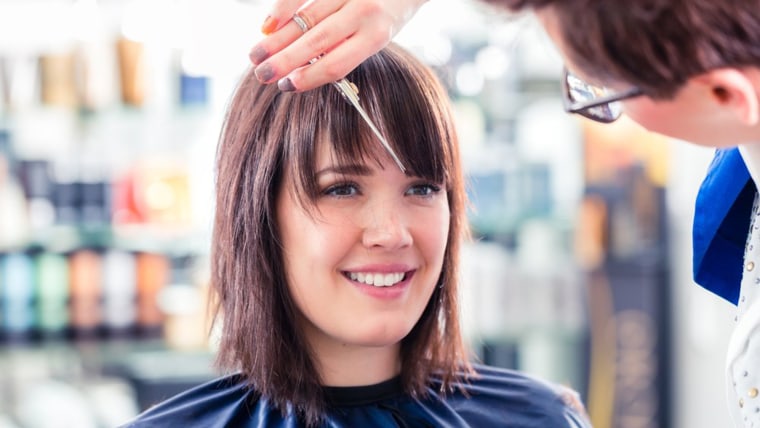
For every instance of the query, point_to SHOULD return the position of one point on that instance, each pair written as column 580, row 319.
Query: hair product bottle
column 52, row 280
column 85, row 276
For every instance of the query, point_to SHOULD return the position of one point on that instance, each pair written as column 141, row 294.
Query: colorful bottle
column 85, row 285
column 17, row 279
column 52, row 281
column 119, row 293
column 153, row 273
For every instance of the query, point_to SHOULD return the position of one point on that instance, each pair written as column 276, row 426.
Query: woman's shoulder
column 514, row 398
column 225, row 401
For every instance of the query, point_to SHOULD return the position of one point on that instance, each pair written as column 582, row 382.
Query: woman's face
column 361, row 268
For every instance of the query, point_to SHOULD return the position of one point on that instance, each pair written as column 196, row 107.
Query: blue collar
column 721, row 224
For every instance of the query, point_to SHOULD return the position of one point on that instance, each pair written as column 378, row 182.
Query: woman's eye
column 341, row 190
column 423, row 189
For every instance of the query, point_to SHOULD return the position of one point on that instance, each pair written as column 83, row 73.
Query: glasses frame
column 582, row 107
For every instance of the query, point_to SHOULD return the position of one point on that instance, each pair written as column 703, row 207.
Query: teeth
column 377, row 279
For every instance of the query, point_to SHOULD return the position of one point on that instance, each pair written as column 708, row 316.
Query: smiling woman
column 337, row 273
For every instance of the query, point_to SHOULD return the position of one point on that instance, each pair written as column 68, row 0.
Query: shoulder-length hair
column 267, row 133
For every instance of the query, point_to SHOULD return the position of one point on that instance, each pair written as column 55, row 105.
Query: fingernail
column 264, row 73
column 269, row 25
column 258, row 55
column 286, row 85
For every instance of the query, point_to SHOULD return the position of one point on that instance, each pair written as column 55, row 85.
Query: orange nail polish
column 270, row 24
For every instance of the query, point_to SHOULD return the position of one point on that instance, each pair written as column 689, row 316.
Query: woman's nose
column 385, row 227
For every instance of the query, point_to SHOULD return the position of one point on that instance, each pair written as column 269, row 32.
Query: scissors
column 351, row 94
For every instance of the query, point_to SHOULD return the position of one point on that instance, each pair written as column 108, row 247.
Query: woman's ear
column 734, row 89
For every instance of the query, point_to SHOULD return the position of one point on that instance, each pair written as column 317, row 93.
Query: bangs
column 406, row 104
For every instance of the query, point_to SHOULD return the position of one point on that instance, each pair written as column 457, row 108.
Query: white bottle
column 14, row 219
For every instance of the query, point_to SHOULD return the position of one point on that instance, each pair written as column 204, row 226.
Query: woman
column 337, row 272
column 685, row 69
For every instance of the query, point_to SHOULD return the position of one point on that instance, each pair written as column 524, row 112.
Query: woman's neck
column 351, row 365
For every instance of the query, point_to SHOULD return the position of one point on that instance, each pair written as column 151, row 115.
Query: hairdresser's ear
column 734, row 89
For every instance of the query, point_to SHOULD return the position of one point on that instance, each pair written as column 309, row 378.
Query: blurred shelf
column 136, row 238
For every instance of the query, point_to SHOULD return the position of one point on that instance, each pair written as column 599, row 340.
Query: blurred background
column 109, row 116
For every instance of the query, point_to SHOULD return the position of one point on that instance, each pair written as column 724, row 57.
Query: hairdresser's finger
column 368, row 24
column 374, row 28
column 332, row 66
column 303, row 50
column 274, row 43
column 290, row 33
column 280, row 14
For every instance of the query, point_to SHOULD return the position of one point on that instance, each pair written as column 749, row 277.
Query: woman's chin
column 380, row 337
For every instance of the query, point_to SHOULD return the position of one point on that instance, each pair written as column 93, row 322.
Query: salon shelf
column 137, row 238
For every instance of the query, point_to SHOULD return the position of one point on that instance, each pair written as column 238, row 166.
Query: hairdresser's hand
column 345, row 31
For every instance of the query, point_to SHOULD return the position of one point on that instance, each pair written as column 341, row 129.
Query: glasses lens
column 581, row 92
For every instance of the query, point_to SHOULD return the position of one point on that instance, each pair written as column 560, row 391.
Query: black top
column 494, row 398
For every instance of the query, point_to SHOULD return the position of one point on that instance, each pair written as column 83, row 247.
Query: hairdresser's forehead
column 589, row 72
column 548, row 18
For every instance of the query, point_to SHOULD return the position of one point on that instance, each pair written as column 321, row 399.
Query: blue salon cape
column 497, row 398
column 721, row 224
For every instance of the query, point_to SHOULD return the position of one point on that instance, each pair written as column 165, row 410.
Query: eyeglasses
column 594, row 102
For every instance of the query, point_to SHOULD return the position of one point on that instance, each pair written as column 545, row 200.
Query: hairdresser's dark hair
column 267, row 133
column 656, row 45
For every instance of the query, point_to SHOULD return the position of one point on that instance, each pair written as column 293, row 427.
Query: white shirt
column 743, row 356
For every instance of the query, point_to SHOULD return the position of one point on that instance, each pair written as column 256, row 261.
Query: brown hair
column 267, row 131
column 656, row 45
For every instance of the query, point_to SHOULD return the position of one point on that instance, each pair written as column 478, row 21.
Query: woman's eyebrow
column 346, row 169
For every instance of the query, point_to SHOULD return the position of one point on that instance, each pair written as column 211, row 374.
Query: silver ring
column 302, row 24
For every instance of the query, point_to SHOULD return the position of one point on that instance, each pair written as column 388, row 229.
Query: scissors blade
column 348, row 92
